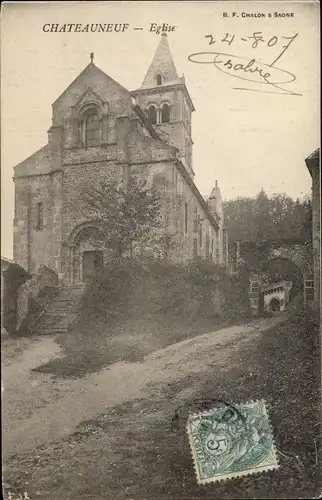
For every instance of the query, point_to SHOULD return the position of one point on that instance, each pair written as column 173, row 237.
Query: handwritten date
column 250, row 69
column 257, row 38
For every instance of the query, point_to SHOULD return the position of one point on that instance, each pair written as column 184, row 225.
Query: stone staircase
column 60, row 311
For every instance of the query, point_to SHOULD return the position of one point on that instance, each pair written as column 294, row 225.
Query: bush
column 135, row 308
column 197, row 289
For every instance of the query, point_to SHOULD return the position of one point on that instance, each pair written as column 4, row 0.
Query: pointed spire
column 214, row 200
column 214, row 192
column 162, row 64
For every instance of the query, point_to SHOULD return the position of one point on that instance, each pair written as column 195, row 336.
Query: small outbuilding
column 12, row 277
column 277, row 295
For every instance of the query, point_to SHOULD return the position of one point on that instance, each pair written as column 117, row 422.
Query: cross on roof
column 92, row 57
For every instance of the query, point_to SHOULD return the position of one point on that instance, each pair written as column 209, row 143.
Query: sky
column 246, row 139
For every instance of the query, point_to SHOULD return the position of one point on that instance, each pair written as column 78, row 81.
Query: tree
column 302, row 219
column 262, row 221
column 265, row 220
column 239, row 216
column 125, row 216
column 281, row 213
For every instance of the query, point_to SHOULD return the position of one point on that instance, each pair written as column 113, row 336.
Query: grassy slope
column 134, row 309
column 140, row 451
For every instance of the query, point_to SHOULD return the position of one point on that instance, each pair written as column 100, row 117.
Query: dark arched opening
column 275, row 305
column 165, row 113
column 92, row 130
column 87, row 258
column 152, row 115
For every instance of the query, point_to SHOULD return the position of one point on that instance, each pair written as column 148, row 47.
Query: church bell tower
column 164, row 98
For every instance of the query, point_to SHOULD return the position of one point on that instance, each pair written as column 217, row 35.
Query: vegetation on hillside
column 133, row 308
column 262, row 219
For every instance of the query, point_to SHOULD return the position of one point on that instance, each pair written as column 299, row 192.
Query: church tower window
column 92, row 130
column 152, row 114
column 159, row 79
column 165, row 113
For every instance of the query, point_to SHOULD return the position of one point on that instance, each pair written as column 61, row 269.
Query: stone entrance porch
column 87, row 252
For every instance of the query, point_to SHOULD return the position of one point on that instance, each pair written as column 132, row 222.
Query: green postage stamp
column 231, row 441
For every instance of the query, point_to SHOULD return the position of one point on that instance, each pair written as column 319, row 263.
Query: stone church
column 101, row 131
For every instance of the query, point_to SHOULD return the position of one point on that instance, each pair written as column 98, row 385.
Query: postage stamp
column 231, row 441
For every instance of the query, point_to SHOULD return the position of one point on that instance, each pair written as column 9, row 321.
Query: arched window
column 152, row 115
column 92, row 130
column 159, row 79
column 165, row 113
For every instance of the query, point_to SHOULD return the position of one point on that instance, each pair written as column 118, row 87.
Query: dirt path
column 37, row 409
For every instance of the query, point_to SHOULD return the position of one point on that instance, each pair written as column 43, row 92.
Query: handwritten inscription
column 257, row 38
column 250, row 69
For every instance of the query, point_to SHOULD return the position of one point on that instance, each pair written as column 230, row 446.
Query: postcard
column 160, row 260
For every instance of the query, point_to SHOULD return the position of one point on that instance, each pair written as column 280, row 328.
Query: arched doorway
column 275, row 305
column 88, row 253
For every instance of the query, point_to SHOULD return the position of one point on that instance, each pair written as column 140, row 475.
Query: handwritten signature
column 249, row 69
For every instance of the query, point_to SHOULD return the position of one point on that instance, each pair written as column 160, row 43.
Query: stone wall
column 316, row 206
column 12, row 277
column 21, row 249
column 313, row 165
column 28, row 292
column 180, row 205
column 34, row 246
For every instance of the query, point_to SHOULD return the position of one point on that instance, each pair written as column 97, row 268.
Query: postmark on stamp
column 230, row 441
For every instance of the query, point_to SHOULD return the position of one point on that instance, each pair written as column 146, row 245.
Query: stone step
column 54, row 326
column 54, row 320
column 66, row 298
column 63, row 299
column 60, row 312
column 55, row 317
column 64, row 302
column 57, row 314
column 72, row 289
column 51, row 331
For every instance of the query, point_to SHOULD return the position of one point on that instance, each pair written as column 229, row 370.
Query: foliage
column 126, row 215
column 263, row 220
column 134, row 308
column 195, row 290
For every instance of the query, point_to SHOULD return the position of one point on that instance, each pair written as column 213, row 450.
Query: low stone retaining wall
column 30, row 291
